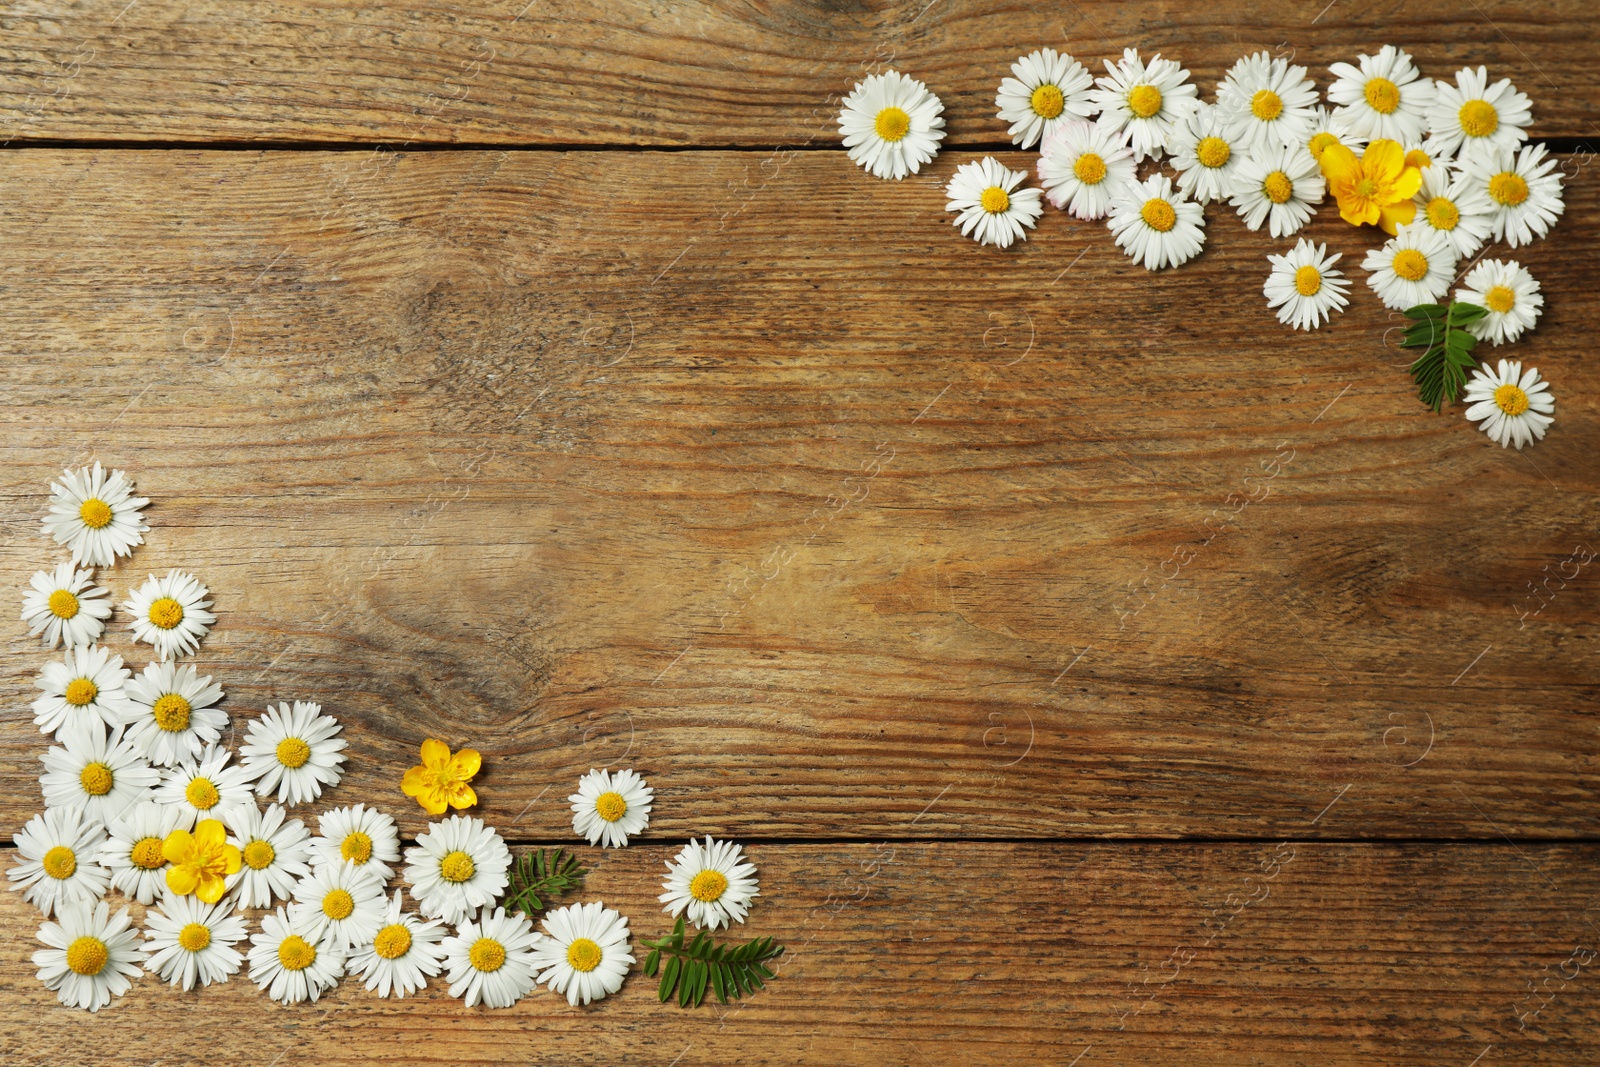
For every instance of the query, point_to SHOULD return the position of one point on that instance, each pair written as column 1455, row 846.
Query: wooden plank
column 582, row 460
column 695, row 72
column 918, row 953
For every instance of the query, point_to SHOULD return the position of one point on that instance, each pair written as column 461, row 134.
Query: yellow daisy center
column 392, row 942
column 583, row 954
column 1419, row 159
column 1090, row 169
column 994, row 200
column 293, row 752
column 487, row 954
column 1212, row 152
column 1508, row 188
column 295, row 954
column 1321, row 143
column 1511, row 399
column 456, row 867
column 708, row 885
column 610, row 806
column 1478, row 118
column 1266, row 105
column 202, row 794
column 258, row 855
column 1410, row 264
column 356, row 847
column 1499, row 298
column 146, row 853
column 171, row 713
column 1383, row 95
column 60, row 862
column 95, row 513
column 1308, row 280
column 1442, row 213
column 87, row 955
column 63, row 604
column 95, row 779
column 892, row 124
column 338, row 904
column 1158, row 214
column 194, row 937
column 1144, row 100
column 166, row 613
column 1047, row 101
column 1278, row 187
column 81, row 691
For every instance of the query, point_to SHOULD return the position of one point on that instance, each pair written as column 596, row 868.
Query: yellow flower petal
column 1339, row 164
column 210, row 890
column 182, row 880
column 1392, row 217
column 433, row 803
column 177, row 847
column 1383, row 161
column 463, row 797
column 1406, row 185
column 435, row 753
column 465, row 764
column 210, row 834
column 416, row 780
column 230, row 859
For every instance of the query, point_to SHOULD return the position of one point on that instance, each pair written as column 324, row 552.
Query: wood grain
column 686, row 73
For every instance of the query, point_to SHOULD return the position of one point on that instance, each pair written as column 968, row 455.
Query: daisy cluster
column 1440, row 166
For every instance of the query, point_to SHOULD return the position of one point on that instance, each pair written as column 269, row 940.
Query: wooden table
column 546, row 379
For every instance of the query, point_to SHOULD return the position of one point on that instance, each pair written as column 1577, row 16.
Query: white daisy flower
column 891, row 124
column 1510, row 294
column 402, row 956
column 293, row 750
column 291, row 962
column 87, row 686
column 1514, row 407
column 1517, row 190
column 1081, row 164
column 90, row 957
column 1439, row 207
column 360, row 835
column 206, row 787
column 457, row 867
column 1046, row 89
column 60, row 860
column 346, row 898
column 64, row 607
column 170, row 717
column 273, row 850
column 608, row 809
column 1326, row 130
column 712, row 882
column 192, row 942
column 1145, row 99
column 1386, row 98
column 1279, row 186
column 585, row 954
column 991, row 209
column 1304, row 287
column 132, row 853
column 1470, row 116
column 1155, row 226
column 1415, row 266
column 95, row 515
column 97, row 771
column 1267, row 103
column 170, row 613
column 490, row 959
column 1204, row 155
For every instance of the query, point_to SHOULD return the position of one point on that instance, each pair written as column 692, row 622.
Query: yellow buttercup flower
column 1375, row 189
column 442, row 779
column 201, row 861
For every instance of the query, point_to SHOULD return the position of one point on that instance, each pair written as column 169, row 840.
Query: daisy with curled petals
column 291, row 961
column 1375, row 189
column 170, row 613
column 990, row 208
column 1155, row 226
column 1081, row 164
column 207, row 788
column 1204, row 155
column 891, row 124
column 87, row 686
column 585, row 954
column 1326, row 130
column 363, row 836
column 442, row 781
column 1304, row 287
column 490, row 959
column 1514, row 407
column 608, row 809
column 89, row 957
column 457, row 867
column 96, row 515
column 1267, row 103
column 712, row 882
column 170, row 717
column 1147, row 100
column 1413, row 267
column 1383, row 97
column 402, row 956
column 192, row 943
column 293, row 750
column 273, row 853
column 60, row 865
column 132, row 853
column 97, row 771
column 1278, row 186
column 64, row 607
column 1518, row 191
column 1470, row 116
column 343, row 897
column 1439, row 208
column 201, row 861
column 1509, row 293
column 1046, row 89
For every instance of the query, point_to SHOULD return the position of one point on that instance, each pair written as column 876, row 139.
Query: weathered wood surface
column 691, row 72
column 752, row 479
